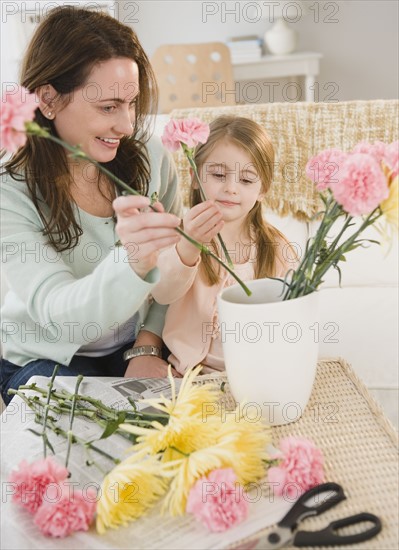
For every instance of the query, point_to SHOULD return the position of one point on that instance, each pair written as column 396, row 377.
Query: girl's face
column 229, row 177
column 100, row 113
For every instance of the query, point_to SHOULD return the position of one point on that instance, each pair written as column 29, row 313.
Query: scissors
column 286, row 533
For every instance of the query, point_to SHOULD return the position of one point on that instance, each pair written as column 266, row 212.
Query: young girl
column 75, row 298
column 236, row 169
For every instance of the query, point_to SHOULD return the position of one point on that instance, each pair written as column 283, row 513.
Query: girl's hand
column 143, row 232
column 202, row 222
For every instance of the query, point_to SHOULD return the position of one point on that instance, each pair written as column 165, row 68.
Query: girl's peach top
column 191, row 330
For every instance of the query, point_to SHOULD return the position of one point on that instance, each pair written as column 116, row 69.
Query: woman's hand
column 144, row 233
column 148, row 366
column 202, row 222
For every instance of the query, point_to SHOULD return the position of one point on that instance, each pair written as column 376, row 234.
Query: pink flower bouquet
column 363, row 182
column 58, row 509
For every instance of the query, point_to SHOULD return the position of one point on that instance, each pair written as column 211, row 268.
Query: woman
column 80, row 261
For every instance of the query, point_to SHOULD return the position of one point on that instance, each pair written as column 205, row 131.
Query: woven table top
column 360, row 448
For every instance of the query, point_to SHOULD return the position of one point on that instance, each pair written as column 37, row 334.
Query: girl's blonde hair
column 253, row 139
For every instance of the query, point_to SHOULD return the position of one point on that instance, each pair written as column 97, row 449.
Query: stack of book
column 245, row 49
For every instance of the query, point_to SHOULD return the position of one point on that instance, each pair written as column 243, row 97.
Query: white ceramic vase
column 270, row 349
column 281, row 39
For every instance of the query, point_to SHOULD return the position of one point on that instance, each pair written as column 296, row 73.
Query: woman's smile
column 111, row 143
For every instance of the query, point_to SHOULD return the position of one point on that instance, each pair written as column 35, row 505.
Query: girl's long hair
column 253, row 139
column 66, row 46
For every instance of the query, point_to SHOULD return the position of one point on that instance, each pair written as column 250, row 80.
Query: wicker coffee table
column 359, row 444
column 360, row 447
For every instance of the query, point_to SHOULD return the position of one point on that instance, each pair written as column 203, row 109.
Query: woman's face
column 102, row 112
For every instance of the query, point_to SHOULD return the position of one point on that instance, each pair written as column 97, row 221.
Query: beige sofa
column 358, row 321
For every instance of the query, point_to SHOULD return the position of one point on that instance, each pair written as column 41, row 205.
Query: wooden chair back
column 194, row 75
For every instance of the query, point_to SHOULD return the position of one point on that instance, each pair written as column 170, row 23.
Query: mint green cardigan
column 61, row 303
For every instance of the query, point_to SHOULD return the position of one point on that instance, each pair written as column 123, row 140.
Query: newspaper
column 152, row 531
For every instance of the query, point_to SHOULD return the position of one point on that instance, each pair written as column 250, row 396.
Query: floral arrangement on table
column 186, row 452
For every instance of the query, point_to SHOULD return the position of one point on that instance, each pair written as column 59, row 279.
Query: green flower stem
column 71, row 418
column 302, row 282
column 189, row 155
column 46, row 409
column 59, row 431
column 345, row 226
column 35, row 129
column 337, row 253
column 207, row 251
column 100, row 414
column 85, row 444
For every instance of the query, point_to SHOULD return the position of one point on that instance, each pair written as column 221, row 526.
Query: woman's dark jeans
column 12, row 376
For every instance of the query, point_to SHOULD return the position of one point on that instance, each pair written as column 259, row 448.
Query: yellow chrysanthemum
column 128, row 491
column 188, row 427
column 187, row 470
column 247, row 440
column 390, row 210
column 240, row 444
column 390, row 206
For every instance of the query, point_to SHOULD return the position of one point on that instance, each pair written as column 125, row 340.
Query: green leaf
column 35, row 432
column 339, row 275
column 50, row 446
column 113, row 425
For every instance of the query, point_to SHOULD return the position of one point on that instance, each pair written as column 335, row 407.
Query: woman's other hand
column 143, row 232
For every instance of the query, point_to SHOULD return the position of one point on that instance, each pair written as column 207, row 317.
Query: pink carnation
column 376, row 149
column 31, row 481
column 324, row 169
column 217, row 500
column 391, row 157
column 300, row 469
column 65, row 510
column 361, row 186
column 17, row 108
column 189, row 131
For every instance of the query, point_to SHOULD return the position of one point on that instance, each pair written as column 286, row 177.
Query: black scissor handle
column 330, row 537
column 300, row 510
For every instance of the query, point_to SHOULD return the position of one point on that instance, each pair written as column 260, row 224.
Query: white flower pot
column 270, row 349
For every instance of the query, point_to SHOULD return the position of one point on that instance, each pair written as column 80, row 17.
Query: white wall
column 358, row 39
column 18, row 22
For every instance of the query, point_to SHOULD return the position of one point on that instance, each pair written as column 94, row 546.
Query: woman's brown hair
column 253, row 139
column 66, row 46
